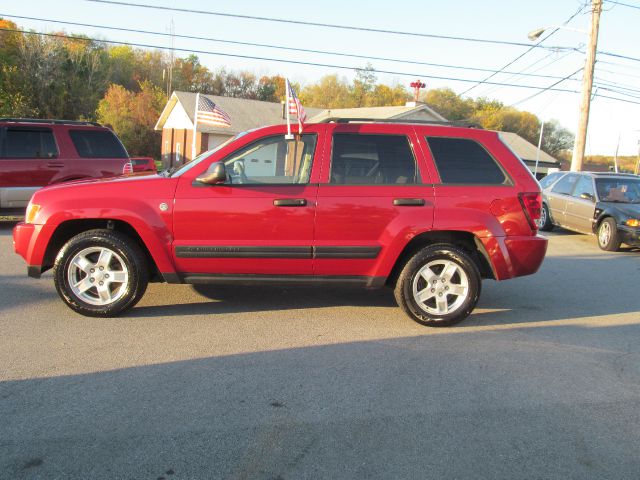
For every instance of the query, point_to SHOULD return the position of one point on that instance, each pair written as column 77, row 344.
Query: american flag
column 295, row 107
column 209, row 113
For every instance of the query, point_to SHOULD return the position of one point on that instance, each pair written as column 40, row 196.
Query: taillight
column 532, row 205
column 128, row 168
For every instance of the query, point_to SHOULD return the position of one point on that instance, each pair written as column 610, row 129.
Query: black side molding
column 250, row 279
column 306, row 252
column 243, row 252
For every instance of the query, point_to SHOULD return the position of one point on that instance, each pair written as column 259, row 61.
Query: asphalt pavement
column 541, row 382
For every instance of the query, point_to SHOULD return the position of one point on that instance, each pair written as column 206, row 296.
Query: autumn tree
column 132, row 115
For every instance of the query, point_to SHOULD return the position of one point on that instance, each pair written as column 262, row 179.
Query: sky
column 489, row 19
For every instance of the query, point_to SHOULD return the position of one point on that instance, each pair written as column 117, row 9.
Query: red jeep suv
column 35, row 153
column 428, row 210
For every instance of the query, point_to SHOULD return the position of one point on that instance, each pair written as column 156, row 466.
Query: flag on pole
column 294, row 107
column 209, row 113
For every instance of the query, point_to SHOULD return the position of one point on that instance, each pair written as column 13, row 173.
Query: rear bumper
column 515, row 256
column 25, row 244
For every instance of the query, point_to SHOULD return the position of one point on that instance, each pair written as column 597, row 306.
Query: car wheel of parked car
column 544, row 223
column 100, row 273
column 608, row 238
column 439, row 286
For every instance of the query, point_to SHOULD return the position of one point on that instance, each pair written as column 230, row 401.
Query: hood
column 626, row 209
column 132, row 178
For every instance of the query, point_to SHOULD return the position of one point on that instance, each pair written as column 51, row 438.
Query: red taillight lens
column 532, row 206
column 128, row 168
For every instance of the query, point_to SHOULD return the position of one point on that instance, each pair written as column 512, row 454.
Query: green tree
column 449, row 104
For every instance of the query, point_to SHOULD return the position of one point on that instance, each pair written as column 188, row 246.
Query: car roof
column 43, row 121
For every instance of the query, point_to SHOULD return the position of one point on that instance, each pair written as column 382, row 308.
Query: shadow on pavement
column 455, row 406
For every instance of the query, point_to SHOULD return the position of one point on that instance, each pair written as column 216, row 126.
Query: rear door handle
column 55, row 165
column 290, row 202
column 409, row 202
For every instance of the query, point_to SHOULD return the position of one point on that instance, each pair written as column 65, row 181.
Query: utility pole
column 587, row 84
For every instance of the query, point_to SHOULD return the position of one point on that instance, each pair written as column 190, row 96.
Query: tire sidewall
column 613, row 244
column 425, row 256
column 106, row 240
column 547, row 225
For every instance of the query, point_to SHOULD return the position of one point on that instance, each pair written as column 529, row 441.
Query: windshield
column 619, row 190
column 179, row 170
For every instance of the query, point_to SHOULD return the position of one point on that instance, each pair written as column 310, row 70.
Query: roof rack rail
column 451, row 123
column 49, row 121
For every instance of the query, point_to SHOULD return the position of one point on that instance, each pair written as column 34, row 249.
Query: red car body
column 173, row 215
column 143, row 164
column 25, row 167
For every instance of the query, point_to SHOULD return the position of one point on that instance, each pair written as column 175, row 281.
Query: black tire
column 545, row 224
column 445, row 253
column 612, row 241
column 125, row 250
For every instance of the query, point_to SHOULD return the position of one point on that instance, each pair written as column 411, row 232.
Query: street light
column 587, row 81
column 535, row 34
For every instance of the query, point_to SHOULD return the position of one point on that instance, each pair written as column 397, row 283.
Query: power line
column 314, row 64
column 550, row 87
column 531, row 47
column 324, row 25
column 624, row 4
column 278, row 47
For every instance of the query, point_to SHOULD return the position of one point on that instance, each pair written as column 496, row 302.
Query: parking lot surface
column 542, row 381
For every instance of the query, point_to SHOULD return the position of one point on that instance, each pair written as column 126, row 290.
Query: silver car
column 607, row 204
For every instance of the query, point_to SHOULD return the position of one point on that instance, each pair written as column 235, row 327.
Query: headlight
column 633, row 222
column 32, row 212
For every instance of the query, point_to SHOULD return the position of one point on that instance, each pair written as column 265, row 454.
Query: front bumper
column 629, row 235
column 25, row 244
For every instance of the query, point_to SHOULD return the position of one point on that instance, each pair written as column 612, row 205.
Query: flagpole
column 287, row 87
column 195, row 128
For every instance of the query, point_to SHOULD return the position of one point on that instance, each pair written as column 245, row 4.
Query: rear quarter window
column 97, row 144
column 465, row 161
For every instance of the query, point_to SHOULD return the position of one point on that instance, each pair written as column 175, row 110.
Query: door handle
column 55, row 165
column 290, row 202
column 409, row 202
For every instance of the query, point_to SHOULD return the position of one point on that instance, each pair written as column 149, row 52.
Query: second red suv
column 35, row 153
column 428, row 210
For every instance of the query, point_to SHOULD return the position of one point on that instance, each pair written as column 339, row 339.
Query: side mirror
column 587, row 196
column 216, row 176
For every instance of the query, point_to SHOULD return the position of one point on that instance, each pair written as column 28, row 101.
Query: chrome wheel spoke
column 457, row 290
column 428, row 275
column 105, row 258
column 83, row 285
column 104, row 293
column 82, row 263
column 118, row 277
column 442, row 304
column 425, row 295
column 449, row 271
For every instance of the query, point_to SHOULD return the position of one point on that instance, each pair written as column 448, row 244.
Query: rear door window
column 97, row 144
column 566, row 184
column 369, row 159
column 29, row 143
column 463, row 161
